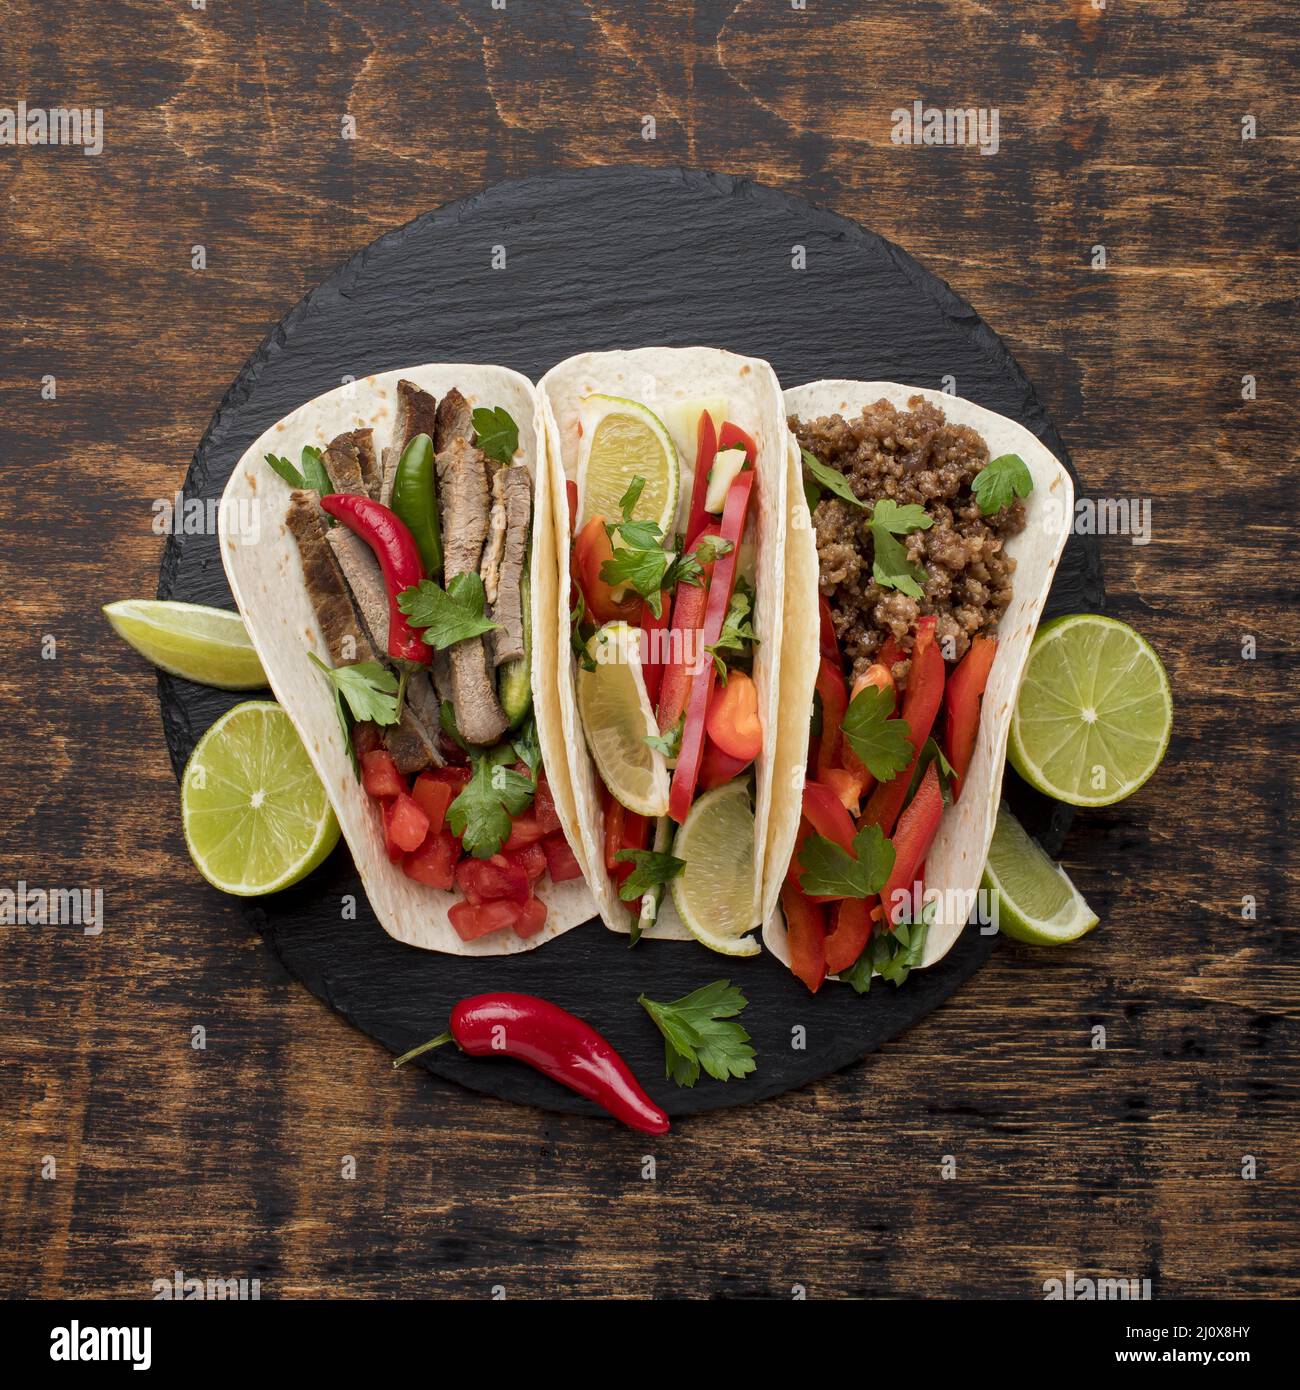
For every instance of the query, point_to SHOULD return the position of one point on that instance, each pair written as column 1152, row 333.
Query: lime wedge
column 627, row 441
column 715, row 894
column 1036, row 902
column 617, row 718
column 1094, row 712
column 207, row 645
column 255, row 814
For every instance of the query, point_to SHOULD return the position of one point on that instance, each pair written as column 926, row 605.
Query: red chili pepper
column 682, row 792
column 706, row 448
column 921, row 703
column 555, row 1043
column 912, row 839
column 962, row 705
column 399, row 559
column 805, row 925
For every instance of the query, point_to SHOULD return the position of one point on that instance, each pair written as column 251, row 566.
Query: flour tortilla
column 955, row 862
column 266, row 579
column 657, row 377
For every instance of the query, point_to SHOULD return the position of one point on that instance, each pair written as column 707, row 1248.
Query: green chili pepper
column 415, row 500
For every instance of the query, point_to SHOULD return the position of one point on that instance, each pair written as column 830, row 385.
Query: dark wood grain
column 1118, row 127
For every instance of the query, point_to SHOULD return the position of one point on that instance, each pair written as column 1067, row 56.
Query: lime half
column 208, row 645
column 1094, row 712
column 617, row 718
column 1036, row 902
column 716, row 894
column 255, row 814
column 627, row 441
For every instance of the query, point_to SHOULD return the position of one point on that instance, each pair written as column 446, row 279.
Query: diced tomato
column 379, row 774
column 718, row 767
column 525, row 829
column 805, row 925
column 366, row 738
column 405, row 826
column 571, row 495
column 544, row 807
column 560, row 859
column 455, row 777
column 484, row 880
column 434, row 862
column 531, row 918
column 732, row 720
column 851, row 923
column 473, row 920
column 636, row 835
column 590, row 551
column 433, row 797
column 733, row 437
column 531, row 859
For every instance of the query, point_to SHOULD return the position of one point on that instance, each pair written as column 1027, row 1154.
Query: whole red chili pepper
column 555, row 1043
column 399, row 558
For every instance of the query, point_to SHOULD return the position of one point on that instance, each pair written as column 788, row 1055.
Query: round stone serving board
column 605, row 258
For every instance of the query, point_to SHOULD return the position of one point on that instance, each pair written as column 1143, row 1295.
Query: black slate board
column 597, row 259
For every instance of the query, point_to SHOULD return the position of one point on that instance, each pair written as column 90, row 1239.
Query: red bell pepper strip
column 851, row 922
column 921, row 703
column 718, row 767
column 654, row 644
column 732, row 719
column 805, row 925
column 555, row 1043
column 399, row 560
column 847, row 786
column 912, row 839
column 829, row 643
column 682, row 792
column 826, row 814
column 962, row 705
column 733, row 437
column 706, row 449
column 835, row 701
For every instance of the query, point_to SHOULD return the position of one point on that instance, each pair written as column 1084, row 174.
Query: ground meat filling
column 913, row 455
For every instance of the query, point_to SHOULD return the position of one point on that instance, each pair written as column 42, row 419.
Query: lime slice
column 1094, row 712
column 617, row 718
column 255, row 814
column 208, row 645
column 1036, row 902
column 627, row 441
column 715, row 894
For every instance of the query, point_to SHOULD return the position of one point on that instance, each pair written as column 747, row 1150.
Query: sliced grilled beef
column 417, row 413
column 345, row 634
column 455, row 420
column 512, row 494
column 365, row 579
column 463, row 497
column 347, row 460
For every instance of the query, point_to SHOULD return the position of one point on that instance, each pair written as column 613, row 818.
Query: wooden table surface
column 126, row 1154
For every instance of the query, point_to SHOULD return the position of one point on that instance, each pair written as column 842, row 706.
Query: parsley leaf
column 891, row 955
column 688, row 567
column 737, row 630
column 312, row 474
column 447, row 616
column 698, row 1033
column 369, row 689
column 669, row 743
column 831, row 479
column 627, row 503
column 642, row 569
column 832, row 872
column 880, row 742
column 497, row 433
column 890, row 566
column 651, row 868
column 1000, row 481
column 931, row 752
column 481, row 814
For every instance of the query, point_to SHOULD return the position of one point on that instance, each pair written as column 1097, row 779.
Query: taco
column 922, row 538
column 669, row 473
column 399, row 594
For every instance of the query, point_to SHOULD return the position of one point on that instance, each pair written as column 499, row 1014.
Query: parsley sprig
column 367, row 689
column 495, row 793
column 891, row 955
column 311, row 475
column 450, row 615
column 737, row 633
column 496, row 432
column 830, row 871
column 651, row 868
column 1001, row 481
column 699, row 1032
column 881, row 743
